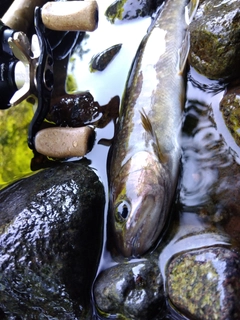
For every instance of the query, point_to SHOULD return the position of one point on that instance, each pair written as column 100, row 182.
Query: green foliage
column 71, row 84
column 15, row 156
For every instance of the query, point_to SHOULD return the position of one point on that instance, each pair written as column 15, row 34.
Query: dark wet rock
column 128, row 9
column 50, row 240
column 101, row 60
column 230, row 108
column 76, row 110
column 215, row 39
column 73, row 110
column 205, row 284
column 133, row 290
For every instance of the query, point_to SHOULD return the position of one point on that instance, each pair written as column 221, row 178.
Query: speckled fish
column 144, row 160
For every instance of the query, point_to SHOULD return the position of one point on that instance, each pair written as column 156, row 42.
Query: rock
column 205, row 284
column 133, row 290
column 50, row 239
column 215, row 39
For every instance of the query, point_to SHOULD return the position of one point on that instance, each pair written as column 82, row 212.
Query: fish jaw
column 139, row 205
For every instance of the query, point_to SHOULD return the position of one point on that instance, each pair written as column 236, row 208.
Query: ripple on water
column 204, row 152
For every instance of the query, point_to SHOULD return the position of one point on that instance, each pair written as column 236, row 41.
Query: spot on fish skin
column 146, row 123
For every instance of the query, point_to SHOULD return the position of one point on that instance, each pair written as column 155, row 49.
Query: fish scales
column 145, row 155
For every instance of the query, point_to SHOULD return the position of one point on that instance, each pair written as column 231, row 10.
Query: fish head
column 139, row 204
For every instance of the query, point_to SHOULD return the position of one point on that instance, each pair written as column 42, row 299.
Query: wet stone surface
column 215, row 39
column 205, row 284
column 50, row 240
column 133, row 290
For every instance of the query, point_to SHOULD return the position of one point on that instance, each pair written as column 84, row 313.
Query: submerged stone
column 205, row 284
column 50, row 240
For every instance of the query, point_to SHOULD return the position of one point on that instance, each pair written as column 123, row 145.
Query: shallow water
column 207, row 145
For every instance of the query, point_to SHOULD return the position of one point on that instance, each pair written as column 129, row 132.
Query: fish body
column 145, row 156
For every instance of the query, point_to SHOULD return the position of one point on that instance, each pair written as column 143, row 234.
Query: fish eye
column 122, row 210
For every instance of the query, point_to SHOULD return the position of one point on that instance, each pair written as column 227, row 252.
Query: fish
column 144, row 160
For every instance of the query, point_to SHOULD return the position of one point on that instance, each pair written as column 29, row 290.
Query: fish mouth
column 147, row 228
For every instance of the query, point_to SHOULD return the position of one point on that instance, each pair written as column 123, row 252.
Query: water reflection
column 204, row 152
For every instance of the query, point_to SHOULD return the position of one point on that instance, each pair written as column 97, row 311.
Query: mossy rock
column 215, row 39
column 204, row 284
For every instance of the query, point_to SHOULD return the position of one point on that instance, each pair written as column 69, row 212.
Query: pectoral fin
column 146, row 123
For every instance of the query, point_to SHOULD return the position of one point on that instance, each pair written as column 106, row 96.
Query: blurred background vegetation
column 15, row 156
